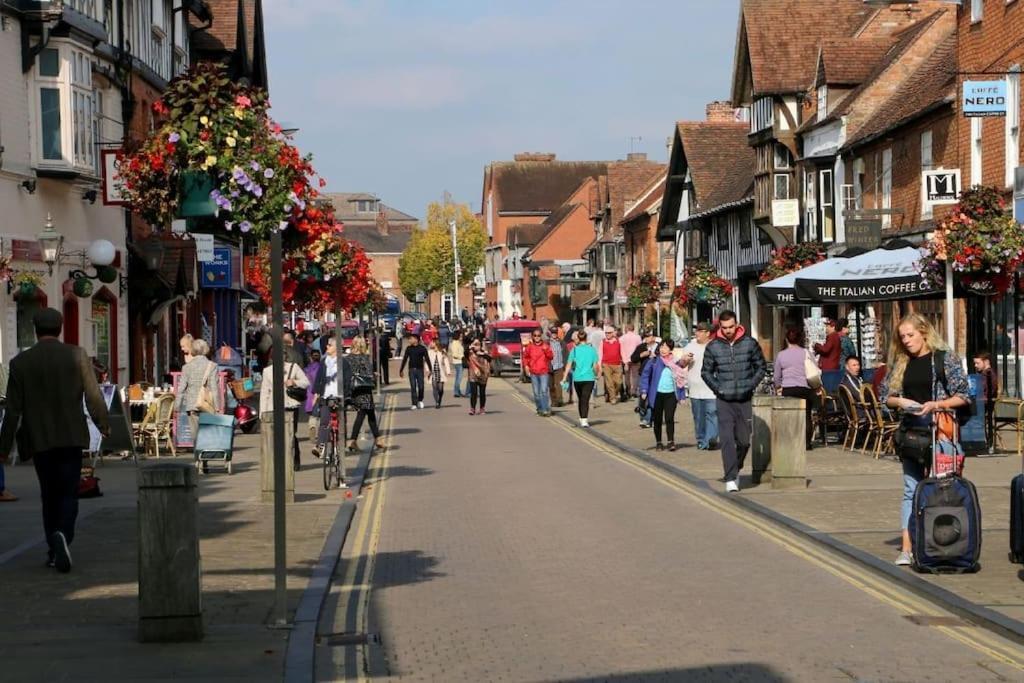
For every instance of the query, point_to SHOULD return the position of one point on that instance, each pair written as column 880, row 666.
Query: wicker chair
column 1009, row 416
column 159, row 428
column 881, row 427
column 856, row 420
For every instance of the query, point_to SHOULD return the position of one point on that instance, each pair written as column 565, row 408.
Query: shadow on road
column 406, row 471
column 404, row 568
column 744, row 671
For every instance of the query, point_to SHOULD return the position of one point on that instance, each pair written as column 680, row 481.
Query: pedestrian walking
column 557, row 366
column 479, row 373
column 829, row 352
column 45, row 392
column 457, row 353
column 293, row 377
column 595, row 334
column 358, row 390
column 439, row 369
column 628, row 342
column 642, row 355
column 312, row 370
column 384, row 355
column 199, row 372
column 325, row 386
column 662, row 386
column 611, row 365
column 584, row 365
column 415, row 357
column 569, row 340
column 537, row 357
column 924, row 376
column 790, row 376
column 702, row 399
column 734, row 366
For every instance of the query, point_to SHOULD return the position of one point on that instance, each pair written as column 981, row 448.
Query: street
column 512, row 547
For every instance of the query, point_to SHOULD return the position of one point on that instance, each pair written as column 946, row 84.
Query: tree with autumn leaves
column 427, row 264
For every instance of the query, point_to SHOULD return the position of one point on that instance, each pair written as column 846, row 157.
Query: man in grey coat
column 44, row 410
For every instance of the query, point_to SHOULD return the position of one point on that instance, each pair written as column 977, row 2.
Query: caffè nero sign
column 984, row 98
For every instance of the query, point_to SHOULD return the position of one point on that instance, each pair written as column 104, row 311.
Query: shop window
column 26, row 307
column 102, row 333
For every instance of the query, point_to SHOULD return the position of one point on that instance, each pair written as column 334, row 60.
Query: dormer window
column 822, row 102
column 366, row 206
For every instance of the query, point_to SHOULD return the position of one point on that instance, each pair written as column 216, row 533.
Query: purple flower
column 254, row 165
column 245, row 226
column 237, row 174
column 257, row 190
column 235, row 193
column 268, row 173
column 173, row 137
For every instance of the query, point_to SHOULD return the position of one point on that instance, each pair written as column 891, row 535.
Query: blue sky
column 408, row 99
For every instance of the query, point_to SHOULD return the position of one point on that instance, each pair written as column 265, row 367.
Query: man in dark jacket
column 733, row 368
column 415, row 357
column 44, row 408
column 643, row 354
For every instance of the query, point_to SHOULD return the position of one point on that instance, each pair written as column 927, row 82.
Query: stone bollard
column 267, row 458
column 789, row 459
column 761, row 439
column 170, row 585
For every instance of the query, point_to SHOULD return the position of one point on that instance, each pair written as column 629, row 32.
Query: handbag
column 914, row 443
column 204, row 401
column 296, row 393
column 812, row 371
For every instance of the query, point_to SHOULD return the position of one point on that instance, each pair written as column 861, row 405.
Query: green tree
column 427, row 264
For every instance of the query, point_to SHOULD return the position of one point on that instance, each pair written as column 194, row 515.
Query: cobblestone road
column 510, row 550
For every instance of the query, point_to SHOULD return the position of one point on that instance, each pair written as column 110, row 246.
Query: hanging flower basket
column 216, row 152
column 82, row 287
column 644, row 289
column 701, row 284
column 980, row 240
column 26, row 283
column 791, row 258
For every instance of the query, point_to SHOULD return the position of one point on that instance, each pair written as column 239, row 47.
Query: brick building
column 644, row 253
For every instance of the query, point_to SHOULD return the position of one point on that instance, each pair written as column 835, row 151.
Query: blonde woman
column 439, row 368
column 359, row 384
column 924, row 376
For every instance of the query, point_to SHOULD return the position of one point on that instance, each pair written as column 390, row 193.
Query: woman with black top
column 924, row 376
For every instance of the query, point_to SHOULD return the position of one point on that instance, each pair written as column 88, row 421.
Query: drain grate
column 929, row 620
column 348, row 639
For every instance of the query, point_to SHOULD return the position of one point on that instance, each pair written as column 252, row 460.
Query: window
column 886, row 187
column 977, row 10
column 822, row 102
column 721, row 234
column 26, row 308
column 826, row 191
column 858, row 183
column 810, row 206
column 1012, row 122
column 781, row 186
column 764, row 115
column 64, row 109
column 609, row 253
column 366, row 206
column 783, row 159
column 926, row 165
column 746, row 230
column 976, row 131
column 101, row 321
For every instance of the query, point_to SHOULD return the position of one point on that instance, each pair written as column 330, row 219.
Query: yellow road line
column 861, row 578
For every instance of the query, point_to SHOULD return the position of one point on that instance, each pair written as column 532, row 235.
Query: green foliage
column 427, row 264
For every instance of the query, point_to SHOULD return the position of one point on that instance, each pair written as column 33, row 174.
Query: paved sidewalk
column 851, row 497
column 82, row 626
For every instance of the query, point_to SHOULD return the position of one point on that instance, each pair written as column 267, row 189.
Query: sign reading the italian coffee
column 984, row 98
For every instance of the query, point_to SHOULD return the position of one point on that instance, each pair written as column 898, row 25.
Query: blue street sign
column 216, row 274
column 984, row 98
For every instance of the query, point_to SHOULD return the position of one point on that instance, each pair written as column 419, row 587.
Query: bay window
column 66, row 117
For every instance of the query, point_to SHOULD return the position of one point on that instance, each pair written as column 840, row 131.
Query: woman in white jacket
column 439, row 368
column 293, row 377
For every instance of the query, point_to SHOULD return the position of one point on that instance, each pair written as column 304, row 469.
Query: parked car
column 505, row 339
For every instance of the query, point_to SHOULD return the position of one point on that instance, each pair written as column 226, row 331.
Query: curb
column 300, row 656
column 985, row 617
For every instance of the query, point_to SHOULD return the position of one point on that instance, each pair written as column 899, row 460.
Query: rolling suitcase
column 945, row 520
column 1017, row 518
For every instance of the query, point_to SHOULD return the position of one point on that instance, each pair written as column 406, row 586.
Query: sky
column 409, row 98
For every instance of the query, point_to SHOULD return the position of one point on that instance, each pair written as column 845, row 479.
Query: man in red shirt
column 829, row 352
column 611, row 365
column 537, row 357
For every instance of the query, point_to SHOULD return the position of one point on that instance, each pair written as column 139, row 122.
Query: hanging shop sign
column 216, row 273
column 204, row 247
column 863, row 232
column 785, row 213
column 984, row 98
column 941, row 187
column 111, row 180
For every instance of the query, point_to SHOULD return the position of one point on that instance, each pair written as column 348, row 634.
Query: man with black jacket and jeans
column 416, row 357
column 733, row 368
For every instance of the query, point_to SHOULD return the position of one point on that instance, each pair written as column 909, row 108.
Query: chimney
column 721, row 111
column 636, row 156
column 534, row 156
column 382, row 221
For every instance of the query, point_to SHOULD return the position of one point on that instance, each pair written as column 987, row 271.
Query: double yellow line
column 365, row 542
column 883, row 589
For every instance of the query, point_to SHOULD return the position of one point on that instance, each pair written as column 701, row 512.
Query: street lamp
column 50, row 242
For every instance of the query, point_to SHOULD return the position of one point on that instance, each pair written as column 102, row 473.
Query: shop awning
column 782, row 290
column 878, row 275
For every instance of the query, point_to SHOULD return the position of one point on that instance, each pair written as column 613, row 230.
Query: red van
column 349, row 331
column 505, row 340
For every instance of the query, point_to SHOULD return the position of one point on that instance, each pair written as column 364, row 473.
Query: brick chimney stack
column 534, row 156
column 382, row 221
column 721, row 111
column 636, row 156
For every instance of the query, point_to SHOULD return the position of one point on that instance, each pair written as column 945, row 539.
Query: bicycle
column 333, row 469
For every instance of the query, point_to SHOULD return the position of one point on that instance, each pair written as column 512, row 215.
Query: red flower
column 160, row 109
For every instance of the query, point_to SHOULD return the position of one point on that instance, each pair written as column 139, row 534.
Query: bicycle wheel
column 331, row 477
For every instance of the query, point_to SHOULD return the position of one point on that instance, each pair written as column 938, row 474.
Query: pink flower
column 243, row 101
